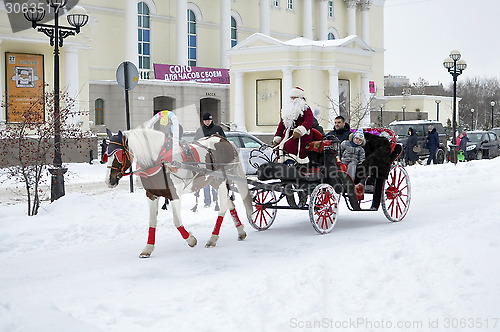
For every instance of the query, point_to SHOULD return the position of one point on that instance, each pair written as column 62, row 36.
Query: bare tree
column 29, row 144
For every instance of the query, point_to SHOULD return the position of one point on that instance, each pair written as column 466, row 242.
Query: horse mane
column 145, row 145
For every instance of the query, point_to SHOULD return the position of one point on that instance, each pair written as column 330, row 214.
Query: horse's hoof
column 144, row 255
column 243, row 236
column 191, row 241
column 210, row 244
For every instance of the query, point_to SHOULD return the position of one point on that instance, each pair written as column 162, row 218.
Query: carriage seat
column 279, row 171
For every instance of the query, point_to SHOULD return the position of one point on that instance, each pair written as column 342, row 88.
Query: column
column 181, row 33
column 131, row 32
column 365, row 99
column 225, row 31
column 71, row 81
column 286, row 85
column 365, row 20
column 351, row 16
column 308, row 26
column 2, row 108
column 239, row 101
column 264, row 17
column 333, row 94
column 323, row 20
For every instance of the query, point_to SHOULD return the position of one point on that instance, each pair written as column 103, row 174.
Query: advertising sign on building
column 25, row 86
column 177, row 73
column 372, row 86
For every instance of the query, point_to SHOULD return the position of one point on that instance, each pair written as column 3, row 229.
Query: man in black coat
column 341, row 130
column 432, row 144
column 208, row 129
column 410, row 156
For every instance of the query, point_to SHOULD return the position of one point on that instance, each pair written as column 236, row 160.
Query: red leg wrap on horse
column 237, row 221
column 217, row 225
column 151, row 237
column 183, row 232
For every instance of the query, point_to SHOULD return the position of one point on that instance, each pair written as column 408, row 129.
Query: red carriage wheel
column 397, row 194
column 263, row 218
column 323, row 207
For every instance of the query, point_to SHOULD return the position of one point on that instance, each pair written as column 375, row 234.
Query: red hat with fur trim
column 297, row 92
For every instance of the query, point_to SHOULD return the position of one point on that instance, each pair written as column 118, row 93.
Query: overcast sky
column 419, row 35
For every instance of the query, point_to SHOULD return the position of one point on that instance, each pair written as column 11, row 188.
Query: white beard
column 292, row 111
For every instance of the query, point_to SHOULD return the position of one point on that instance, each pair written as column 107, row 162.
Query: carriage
column 319, row 186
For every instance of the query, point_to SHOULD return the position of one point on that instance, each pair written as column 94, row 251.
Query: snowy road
column 75, row 266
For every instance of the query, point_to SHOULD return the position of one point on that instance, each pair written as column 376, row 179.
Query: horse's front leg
column 153, row 217
column 176, row 211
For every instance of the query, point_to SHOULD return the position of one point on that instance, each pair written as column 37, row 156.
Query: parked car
column 496, row 131
column 421, row 129
column 482, row 144
column 246, row 143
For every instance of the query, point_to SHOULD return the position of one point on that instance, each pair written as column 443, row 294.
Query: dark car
column 421, row 129
column 482, row 144
column 246, row 143
column 496, row 131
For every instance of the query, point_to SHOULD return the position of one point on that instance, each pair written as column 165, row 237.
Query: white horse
column 210, row 161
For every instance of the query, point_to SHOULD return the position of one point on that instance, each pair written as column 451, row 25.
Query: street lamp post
column 381, row 120
column 455, row 67
column 437, row 109
column 472, row 116
column 492, row 108
column 404, row 116
column 57, row 33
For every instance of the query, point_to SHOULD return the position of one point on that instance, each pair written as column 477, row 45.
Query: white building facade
column 333, row 49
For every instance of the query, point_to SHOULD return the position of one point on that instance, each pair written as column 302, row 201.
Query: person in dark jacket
column 316, row 124
column 104, row 146
column 462, row 146
column 410, row 155
column 432, row 144
column 208, row 129
column 341, row 130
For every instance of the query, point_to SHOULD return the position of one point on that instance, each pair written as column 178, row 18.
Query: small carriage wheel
column 397, row 194
column 262, row 218
column 323, row 207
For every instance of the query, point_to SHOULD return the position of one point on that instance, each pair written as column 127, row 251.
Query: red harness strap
column 165, row 156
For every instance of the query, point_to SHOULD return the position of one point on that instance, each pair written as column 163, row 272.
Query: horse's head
column 118, row 158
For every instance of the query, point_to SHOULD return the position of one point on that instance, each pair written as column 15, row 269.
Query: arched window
column 331, row 36
column 234, row 32
column 144, row 39
column 99, row 112
column 191, row 38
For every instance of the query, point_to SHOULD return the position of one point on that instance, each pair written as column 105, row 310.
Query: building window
column 290, row 4
column 144, row 39
column 234, row 32
column 276, row 3
column 330, row 9
column 99, row 112
column 331, row 36
column 191, row 38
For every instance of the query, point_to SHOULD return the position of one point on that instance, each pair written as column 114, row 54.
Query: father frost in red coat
column 296, row 122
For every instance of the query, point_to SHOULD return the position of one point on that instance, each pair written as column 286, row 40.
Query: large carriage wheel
column 262, row 218
column 397, row 194
column 323, row 207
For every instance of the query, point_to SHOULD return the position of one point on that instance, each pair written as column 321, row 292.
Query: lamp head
column 472, row 110
column 77, row 17
column 461, row 64
column 492, row 103
column 455, row 55
column 438, row 101
column 57, row 4
column 448, row 63
column 34, row 14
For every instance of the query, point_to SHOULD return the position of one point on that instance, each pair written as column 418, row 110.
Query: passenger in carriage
column 352, row 151
column 294, row 129
column 341, row 130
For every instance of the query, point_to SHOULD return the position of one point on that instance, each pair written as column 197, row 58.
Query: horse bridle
column 122, row 154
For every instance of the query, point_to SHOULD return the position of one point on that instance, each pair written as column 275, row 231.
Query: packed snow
column 75, row 266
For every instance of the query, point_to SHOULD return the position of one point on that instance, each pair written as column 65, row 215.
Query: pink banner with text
column 177, row 73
